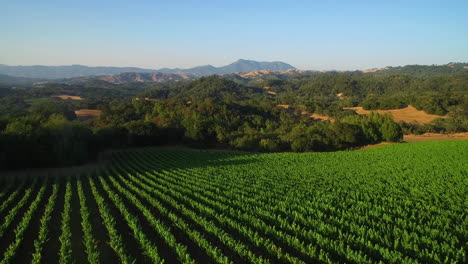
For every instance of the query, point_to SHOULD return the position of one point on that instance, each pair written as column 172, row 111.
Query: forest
column 221, row 112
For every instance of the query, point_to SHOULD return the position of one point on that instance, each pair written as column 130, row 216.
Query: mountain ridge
column 76, row 70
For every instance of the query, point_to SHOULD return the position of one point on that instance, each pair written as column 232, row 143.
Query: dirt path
column 435, row 137
column 377, row 145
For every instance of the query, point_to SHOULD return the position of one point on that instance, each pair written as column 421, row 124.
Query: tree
column 19, row 128
column 68, row 140
column 269, row 144
column 391, row 131
column 346, row 135
column 57, row 107
column 142, row 133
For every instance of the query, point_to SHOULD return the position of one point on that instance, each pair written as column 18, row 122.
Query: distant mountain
column 158, row 77
column 61, row 72
column 71, row 71
column 11, row 80
column 250, row 65
column 198, row 71
column 238, row 66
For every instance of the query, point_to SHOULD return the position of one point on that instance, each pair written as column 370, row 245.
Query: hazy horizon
column 126, row 66
column 181, row 34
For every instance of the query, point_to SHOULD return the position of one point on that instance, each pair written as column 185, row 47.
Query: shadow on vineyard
column 399, row 203
column 192, row 158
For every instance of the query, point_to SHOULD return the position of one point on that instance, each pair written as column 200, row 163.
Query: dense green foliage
column 38, row 140
column 403, row 203
column 221, row 112
column 423, row 70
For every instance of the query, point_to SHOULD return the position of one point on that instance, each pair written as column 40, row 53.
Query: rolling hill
column 422, row 71
column 71, row 71
column 12, row 80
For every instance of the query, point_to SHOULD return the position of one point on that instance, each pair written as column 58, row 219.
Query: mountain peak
column 76, row 70
column 243, row 65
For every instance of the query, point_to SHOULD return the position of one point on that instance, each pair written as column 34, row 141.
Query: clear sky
column 319, row 35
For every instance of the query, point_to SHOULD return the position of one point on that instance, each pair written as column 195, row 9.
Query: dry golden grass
column 321, row 117
column 285, row 106
column 64, row 97
column 84, row 114
column 435, row 137
column 313, row 115
column 253, row 74
column 375, row 70
column 341, row 96
column 407, row 114
column 146, row 99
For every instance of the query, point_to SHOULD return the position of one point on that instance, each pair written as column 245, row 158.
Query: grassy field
column 403, row 203
column 66, row 97
column 41, row 100
column 407, row 114
column 85, row 114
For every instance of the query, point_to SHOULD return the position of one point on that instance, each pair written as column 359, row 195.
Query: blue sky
column 317, row 35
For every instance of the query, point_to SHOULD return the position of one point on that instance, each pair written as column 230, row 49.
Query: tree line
column 214, row 112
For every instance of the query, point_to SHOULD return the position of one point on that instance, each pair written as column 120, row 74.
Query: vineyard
column 403, row 203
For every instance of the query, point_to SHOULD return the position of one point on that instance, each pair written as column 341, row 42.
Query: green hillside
column 423, row 71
